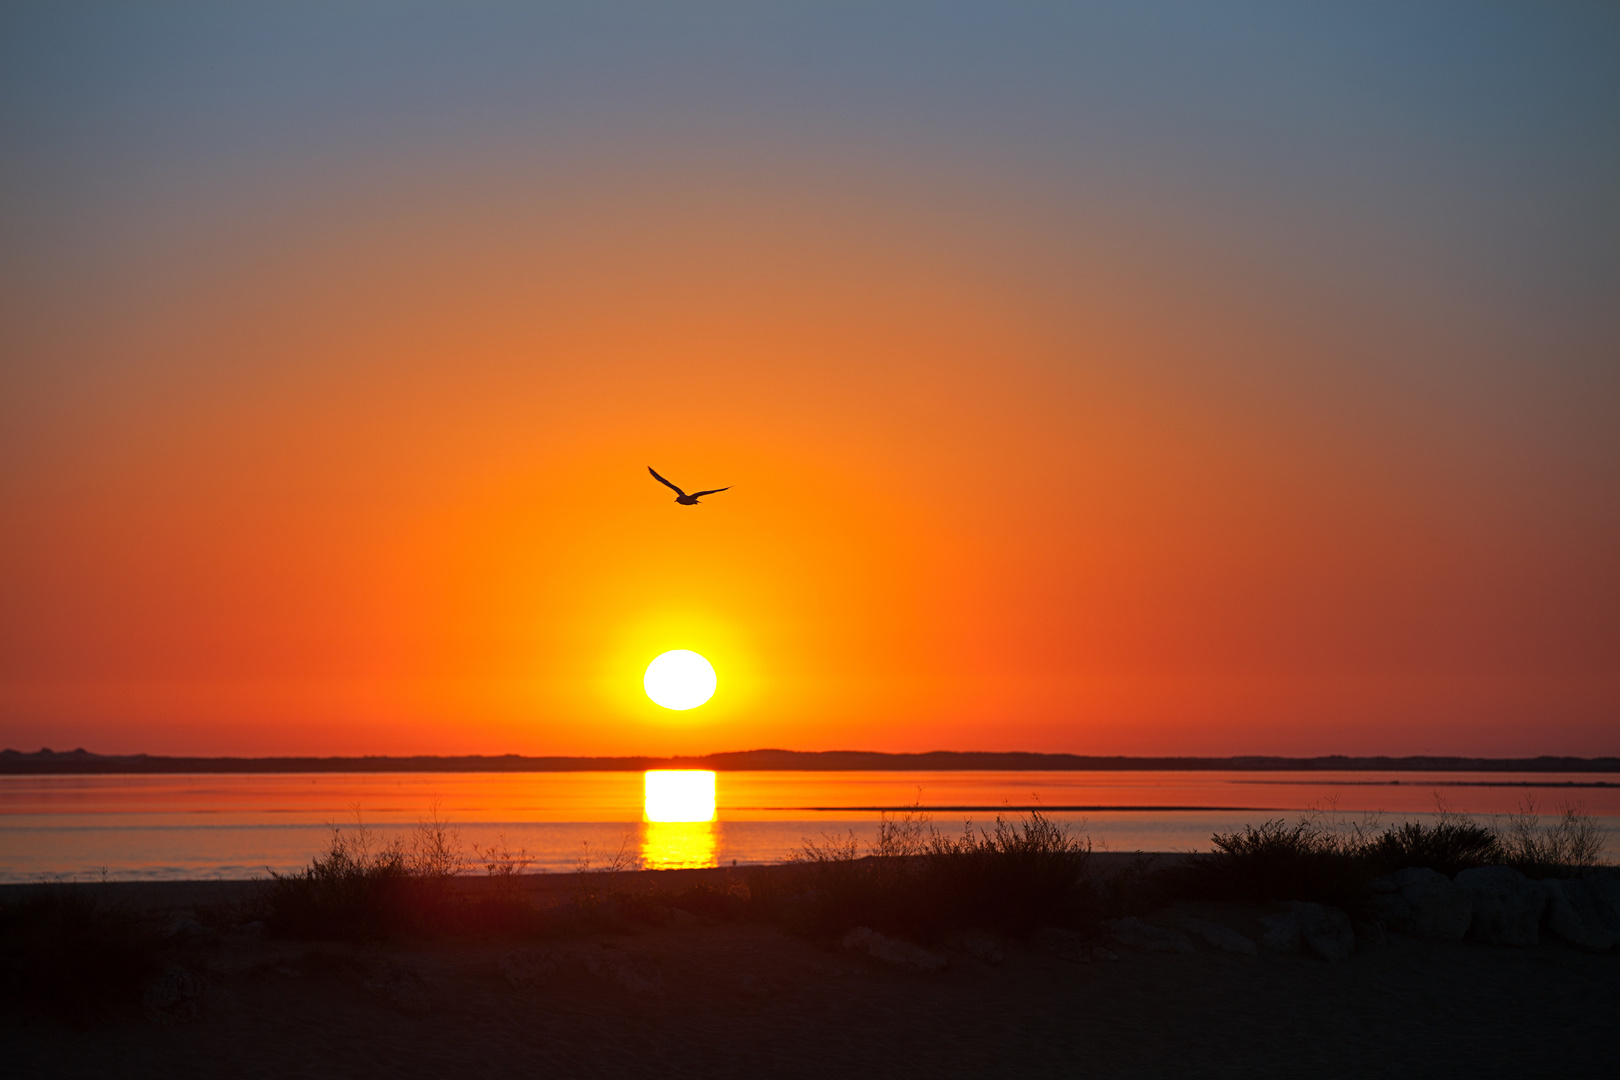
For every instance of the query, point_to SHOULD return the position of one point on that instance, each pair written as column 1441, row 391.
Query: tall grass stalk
column 364, row 887
column 1016, row 876
column 1570, row 844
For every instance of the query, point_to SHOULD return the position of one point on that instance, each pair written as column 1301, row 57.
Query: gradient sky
column 1117, row 378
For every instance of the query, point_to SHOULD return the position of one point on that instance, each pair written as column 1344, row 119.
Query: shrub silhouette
column 1450, row 845
column 1016, row 877
column 1568, row 847
column 362, row 888
column 1309, row 860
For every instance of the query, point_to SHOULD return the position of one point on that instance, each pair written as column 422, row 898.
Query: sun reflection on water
column 680, row 831
column 679, row 795
column 679, row 845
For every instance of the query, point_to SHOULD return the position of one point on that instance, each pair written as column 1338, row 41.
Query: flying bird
column 680, row 496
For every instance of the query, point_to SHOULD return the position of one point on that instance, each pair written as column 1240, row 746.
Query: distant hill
column 82, row 761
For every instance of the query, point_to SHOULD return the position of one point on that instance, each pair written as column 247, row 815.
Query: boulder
column 1585, row 912
column 893, row 951
column 982, row 947
column 1282, row 932
column 1423, row 903
column 183, row 929
column 1219, row 936
column 401, row 985
column 1063, row 944
column 182, row 925
column 1605, row 889
column 1370, row 934
column 1325, row 931
column 171, row 998
column 524, row 968
column 1507, row 906
column 624, row 970
column 1136, row 934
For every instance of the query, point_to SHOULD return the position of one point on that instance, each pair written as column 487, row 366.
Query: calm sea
column 242, row 825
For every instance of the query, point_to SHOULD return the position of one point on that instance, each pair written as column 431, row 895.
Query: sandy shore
column 690, row 998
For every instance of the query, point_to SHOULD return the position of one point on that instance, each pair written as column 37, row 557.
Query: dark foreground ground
column 726, row 999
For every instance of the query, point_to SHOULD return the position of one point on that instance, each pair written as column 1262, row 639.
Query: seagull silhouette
column 682, row 497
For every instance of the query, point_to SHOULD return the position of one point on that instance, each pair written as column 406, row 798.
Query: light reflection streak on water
column 679, row 845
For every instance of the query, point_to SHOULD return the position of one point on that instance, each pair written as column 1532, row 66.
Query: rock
column 1100, row 953
column 893, row 951
column 1369, row 934
column 1282, row 934
column 682, row 917
column 184, row 929
column 1585, row 912
column 1063, row 944
column 253, row 931
column 1507, row 906
column 1219, row 936
column 1325, row 931
column 400, row 985
column 622, row 970
column 1423, row 903
column 982, row 947
column 1136, row 934
column 181, row 924
column 1605, row 889
column 171, row 998
column 523, row 968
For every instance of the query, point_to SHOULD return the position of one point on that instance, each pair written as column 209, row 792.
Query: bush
column 356, row 890
column 363, row 889
column 1450, row 845
column 67, row 951
column 1312, row 860
column 1571, row 845
column 1016, row 877
column 1274, row 861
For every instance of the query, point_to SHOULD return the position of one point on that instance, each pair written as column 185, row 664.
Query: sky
column 1142, row 378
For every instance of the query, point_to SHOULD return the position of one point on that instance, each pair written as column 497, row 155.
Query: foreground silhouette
column 682, row 497
column 653, row 977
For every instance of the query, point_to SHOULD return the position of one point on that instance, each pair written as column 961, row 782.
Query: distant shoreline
column 43, row 762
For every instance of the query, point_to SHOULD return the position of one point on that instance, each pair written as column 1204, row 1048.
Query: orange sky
column 357, row 465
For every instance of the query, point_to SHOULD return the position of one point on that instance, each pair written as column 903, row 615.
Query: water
column 176, row 827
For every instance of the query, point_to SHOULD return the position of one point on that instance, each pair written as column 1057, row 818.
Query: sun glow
column 679, row 679
column 679, row 795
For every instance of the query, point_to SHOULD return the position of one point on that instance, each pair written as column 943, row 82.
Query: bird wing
column 700, row 494
column 666, row 483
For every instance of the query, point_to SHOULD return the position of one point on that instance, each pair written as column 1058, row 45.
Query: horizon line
column 80, row 760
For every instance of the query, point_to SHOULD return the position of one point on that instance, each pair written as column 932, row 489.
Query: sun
column 680, row 679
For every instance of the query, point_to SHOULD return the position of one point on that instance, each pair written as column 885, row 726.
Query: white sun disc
column 679, row 679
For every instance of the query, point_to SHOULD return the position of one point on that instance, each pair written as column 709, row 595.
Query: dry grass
column 1570, row 845
column 363, row 888
column 1015, row 877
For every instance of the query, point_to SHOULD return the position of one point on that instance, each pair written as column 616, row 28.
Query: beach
column 672, row 994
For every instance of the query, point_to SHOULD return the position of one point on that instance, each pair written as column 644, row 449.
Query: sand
column 723, row 1000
